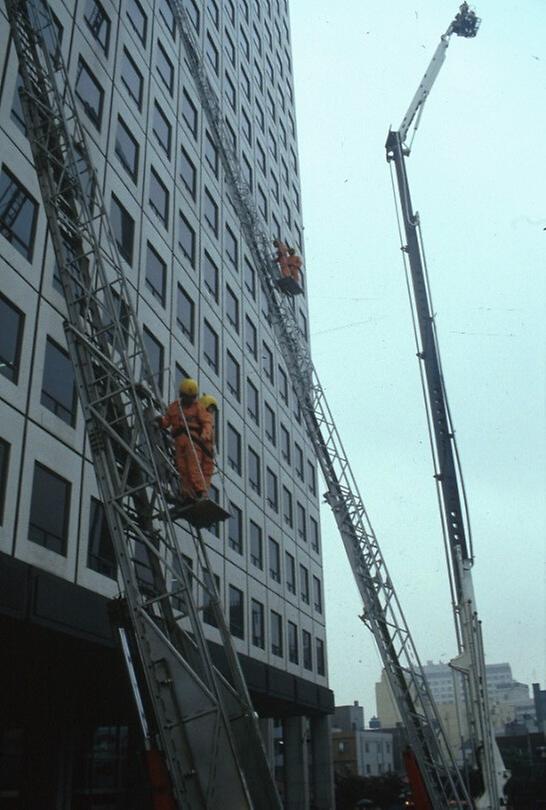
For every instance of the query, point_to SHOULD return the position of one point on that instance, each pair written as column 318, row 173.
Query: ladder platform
column 201, row 514
column 289, row 286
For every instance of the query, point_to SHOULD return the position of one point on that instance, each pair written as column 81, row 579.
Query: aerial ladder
column 201, row 723
column 470, row 661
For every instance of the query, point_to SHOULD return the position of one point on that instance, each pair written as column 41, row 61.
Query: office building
column 68, row 723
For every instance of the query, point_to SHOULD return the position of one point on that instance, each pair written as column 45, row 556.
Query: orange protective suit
column 294, row 265
column 207, row 459
column 282, row 257
column 189, row 448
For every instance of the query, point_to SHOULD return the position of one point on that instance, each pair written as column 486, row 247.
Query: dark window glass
column 211, row 154
column 252, row 405
column 317, row 594
column 267, row 361
column 321, row 668
column 271, row 489
column 210, row 276
column 212, row 54
column 250, row 278
column 251, row 337
column 164, row 68
column 18, row 214
column 208, row 612
column 260, row 119
column 49, row 510
column 276, row 633
column 188, row 173
column 186, row 239
column 156, row 274
column 12, row 323
column 285, row 444
column 314, row 531
column 256, row 551
column 254, row 473
column 262, row 203
column 307, row 651
column 189, row 113
column 177, row 582
column 214, row 492
column 270, row 425
column 236, row 612
column 287, row 506
column 193, row 13
column 246, row 169
column 167, row 15
column 230, row 246
column 298, row 461
column 235, row 528
column 283, row 385
column 211, row 212
column 233, row 376
column 304, row 584
column 154, row 350
column 124, row 229
column 311, row 477
column 58, row 386
column 234, row 449
column 131, row 77
column 210, row 346
column 137, row 18
column 245, row 83
column 185, row 313
column 261, row 157
column 274, row 560
column 98, row 22
column 90, row 93
column 212, row 10
column 274, row 187
column 232, row 308
column 229, row 48
column 100, row 551
column 290, row 572
column 293, row 656
column 17, row 114
column 162, row 129
column 258, row 629
column 159, row 198
column 4, row 466
column 302, row 523
column 127, row 149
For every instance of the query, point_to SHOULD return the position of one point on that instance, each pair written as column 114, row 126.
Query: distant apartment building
column 357, row 750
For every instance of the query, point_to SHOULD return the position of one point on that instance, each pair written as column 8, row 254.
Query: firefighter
column 282, row 257
column 294, row 264
column 191, row 428
column 209, row 403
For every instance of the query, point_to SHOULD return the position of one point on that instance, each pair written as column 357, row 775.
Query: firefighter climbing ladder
column 203, row 723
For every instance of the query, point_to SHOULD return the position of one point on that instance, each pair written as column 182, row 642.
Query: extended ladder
column 203, row 723
column 382, row 612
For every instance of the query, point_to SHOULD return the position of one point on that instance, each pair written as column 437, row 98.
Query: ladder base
column 202, row 514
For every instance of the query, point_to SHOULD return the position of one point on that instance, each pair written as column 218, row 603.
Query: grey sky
column 478, row 175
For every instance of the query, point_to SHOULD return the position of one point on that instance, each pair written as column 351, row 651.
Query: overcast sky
column 478, row 179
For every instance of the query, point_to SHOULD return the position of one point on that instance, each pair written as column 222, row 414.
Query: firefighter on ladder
column 209, row 403
column 289, row 265
column 192, row 430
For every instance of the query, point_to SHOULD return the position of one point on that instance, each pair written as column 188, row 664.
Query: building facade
column 68, row 726
column 359, row 751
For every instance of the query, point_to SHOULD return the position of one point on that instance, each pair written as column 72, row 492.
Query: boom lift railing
column 202, row 722
column 470, row 661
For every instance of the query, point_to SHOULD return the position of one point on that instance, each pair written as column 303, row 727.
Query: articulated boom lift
column 470, row 661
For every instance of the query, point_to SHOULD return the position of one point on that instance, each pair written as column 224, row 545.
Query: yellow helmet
column 207, row 401
column 188, row 387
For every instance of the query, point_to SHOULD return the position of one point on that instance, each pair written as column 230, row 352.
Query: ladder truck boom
column 455, row 524
column 200, row 723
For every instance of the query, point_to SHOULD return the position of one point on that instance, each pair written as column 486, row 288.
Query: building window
column 189, row 113
column 229, row 92
column 317, row 594
column 100, row 551
column 271, row 489
column 321, row 668
column 270, row 425
column 230, row 246
column 246, row 169
column 167, row 15
column 267, row 361
column 210, row 276
column 235, row 528
column 304, row 584
column 254, row 473
column 287, row 506
column 250, row 278
column 137, row 19
column 127, row 149
column 211, row 154
column 290, row 572
column 234, row 449
column 285, row 444
column 212, row 54
column 229, row 47
column 210, row 346
column 159, row 198
column 209, row 616
column 164, row 68
column 302, row 522
column 233, row 376
column 256, row 552
column 49, row 510
column 90, row 93
column 293, row 656
column 232, row 308
column 98, row 23
column 58, row 386
column 251, row 337
column 211, row 212
column 186, row 239
column 252, row 402
column 307, row 651
column 156, row 274
column 18, row 214
column 276, row 634
column 274, row 560
column 258, row 629
column 236, row 612
column 188, row 173
column 311, row 478
column 11, row 338
column 193, row 13
column 212, row 10
column 162, row 129
column 298, row 460
column 123, row 227
column 313, row 528
column 262, row 203
column 4, row 466
column 283, row 385
column 260, row 118
column 185, row 314
column 131, row 77
column 154, row 350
